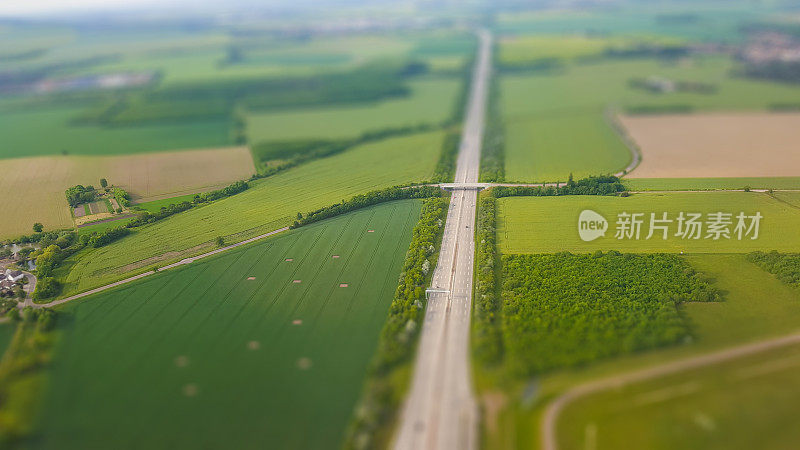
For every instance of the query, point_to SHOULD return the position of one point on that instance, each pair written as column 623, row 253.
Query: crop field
column 716, row 145
column 143, row 175
column 563, row 111
column 550, row 224
column 431, row 101
column 549, row 149
column 720, row 22
column 518, row 50
column 268, row 205
column 265, row 346
column 746, row 403
column 47, row 131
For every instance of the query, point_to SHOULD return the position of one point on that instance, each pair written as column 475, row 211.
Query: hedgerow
column 563, row 310
column 382, row 393
column 600, row 185
column 364, row 200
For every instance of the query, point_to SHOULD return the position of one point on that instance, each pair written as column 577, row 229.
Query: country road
column 440, row 411
column 151, row 272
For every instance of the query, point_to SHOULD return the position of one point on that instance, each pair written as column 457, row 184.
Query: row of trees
column 364, row 200
column 600, row 185
column 487, row 339
column 446, row 166
column 786, row 266
column 108, row 236
column 493, row 160
column 122, row 196
column 563, row 310
column 381, row 397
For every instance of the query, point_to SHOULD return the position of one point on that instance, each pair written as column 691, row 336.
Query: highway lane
column 440, row 411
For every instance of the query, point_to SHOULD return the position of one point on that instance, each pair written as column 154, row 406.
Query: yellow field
column 36, row 185
column 716, row 145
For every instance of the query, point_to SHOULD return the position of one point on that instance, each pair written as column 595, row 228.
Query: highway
column 440, row 411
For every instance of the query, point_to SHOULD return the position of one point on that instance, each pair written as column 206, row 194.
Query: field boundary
column 151, row 272
column 549, row 421
column 612, row 119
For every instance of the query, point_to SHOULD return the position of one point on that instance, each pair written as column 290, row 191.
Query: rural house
column 13, row 276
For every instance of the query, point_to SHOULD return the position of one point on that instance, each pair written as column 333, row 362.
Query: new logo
column 591, row 225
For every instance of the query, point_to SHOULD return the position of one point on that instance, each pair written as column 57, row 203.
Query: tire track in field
column 285, row 285
column 282, row 329
column 346, row 265
column 115, row 329
column 136, row 362
column 212, row 313
column 364, row 273
column 354, row 248
column 262, row 284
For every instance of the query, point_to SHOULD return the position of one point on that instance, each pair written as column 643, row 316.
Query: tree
column 103, row 183
column 220, row 241
column 38, row 227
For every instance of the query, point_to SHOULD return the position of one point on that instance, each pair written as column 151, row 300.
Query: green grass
column 668, row 184
column 552, row 149
column 742, row 404
column 555, row 120
column 6, row 335
column 431, row 101
column 121, row 352
column 40, row 132
column 103, row 226
column 269, row 204
column 550, row 224
column 87, row 210
column 156, row 205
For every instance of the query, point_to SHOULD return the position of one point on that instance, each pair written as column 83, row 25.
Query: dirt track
column 550, row 417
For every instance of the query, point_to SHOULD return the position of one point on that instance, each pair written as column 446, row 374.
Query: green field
column 268, row 205
column 6, row 334
column 431, row 102
column 550, row 224
column 39, row 132
column 709, row 21
column 203, row 357
column 156, row 205
column 103, row 226
column 556, row 119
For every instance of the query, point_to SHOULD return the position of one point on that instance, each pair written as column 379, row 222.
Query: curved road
column 440, row 411
column 549, row 439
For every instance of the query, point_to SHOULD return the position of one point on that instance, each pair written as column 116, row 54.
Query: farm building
column 13, row 276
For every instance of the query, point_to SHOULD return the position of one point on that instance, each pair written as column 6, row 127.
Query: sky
column 46, row 7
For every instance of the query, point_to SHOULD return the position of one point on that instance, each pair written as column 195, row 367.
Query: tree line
column 381, row 397
column 786, row 266
column 599, row 185
column 487, row 340
column 364, row 200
